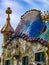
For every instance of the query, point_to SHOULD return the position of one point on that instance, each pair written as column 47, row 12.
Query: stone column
column 18, row 62
column 48, row 53
column 2, row 60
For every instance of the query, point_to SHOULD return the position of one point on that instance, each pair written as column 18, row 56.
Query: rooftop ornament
column 8, row 11
column 45, row 16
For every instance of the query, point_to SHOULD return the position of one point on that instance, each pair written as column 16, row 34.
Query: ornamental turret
column 7, row 29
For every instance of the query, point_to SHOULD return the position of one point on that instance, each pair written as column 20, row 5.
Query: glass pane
column 25, row 60
column 8, row 62
column 39, row 56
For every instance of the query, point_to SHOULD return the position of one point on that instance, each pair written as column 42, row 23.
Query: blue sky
column 19, row 7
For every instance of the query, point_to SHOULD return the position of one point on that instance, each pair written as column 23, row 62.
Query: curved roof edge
column 31, row 11
column 29, row 39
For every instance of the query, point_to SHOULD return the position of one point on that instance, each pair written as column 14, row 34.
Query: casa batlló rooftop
column 25, row 45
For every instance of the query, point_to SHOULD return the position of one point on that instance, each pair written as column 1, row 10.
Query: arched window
column 7, row 62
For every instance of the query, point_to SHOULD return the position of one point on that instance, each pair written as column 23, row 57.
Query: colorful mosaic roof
column 45, row 35
column 31, row 24
column 27, row 38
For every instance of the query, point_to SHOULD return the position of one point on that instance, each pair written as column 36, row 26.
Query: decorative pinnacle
column 45, row 16
column 8, row 11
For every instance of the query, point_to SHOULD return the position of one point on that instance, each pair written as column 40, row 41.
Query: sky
column 18, row 7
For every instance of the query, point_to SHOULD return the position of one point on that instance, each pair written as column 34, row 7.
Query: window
column 16, row 46
column 25, row 60
column 7, row 62
column 39, row 56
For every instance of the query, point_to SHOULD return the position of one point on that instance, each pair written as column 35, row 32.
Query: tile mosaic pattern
column 31, row 24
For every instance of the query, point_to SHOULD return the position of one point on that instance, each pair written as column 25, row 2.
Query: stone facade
column 18, row 49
